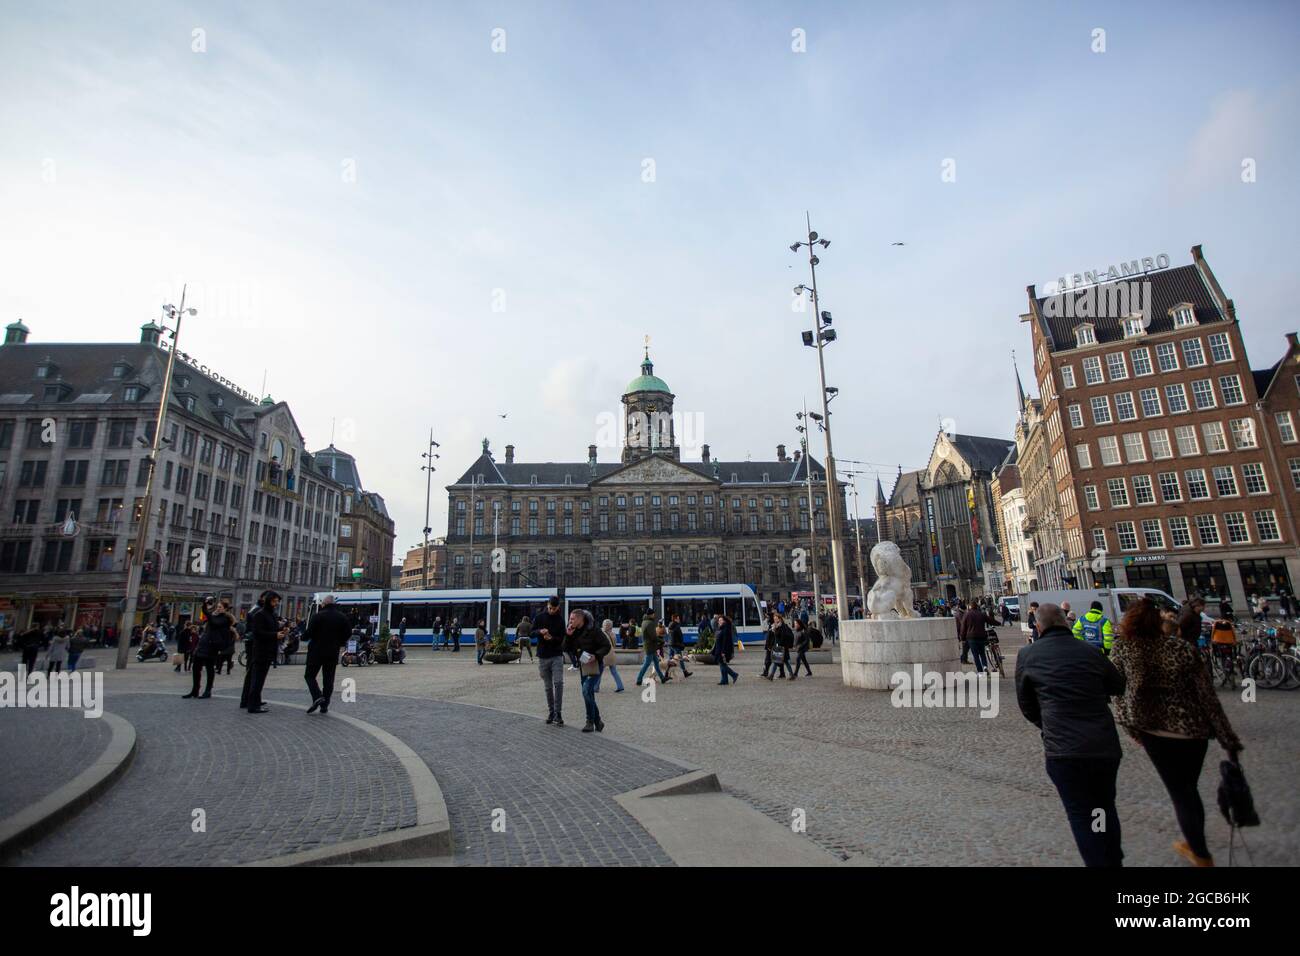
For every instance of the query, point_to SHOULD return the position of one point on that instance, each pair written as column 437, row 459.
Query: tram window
column 512, row 612
column 692, row 609
column 620, row 612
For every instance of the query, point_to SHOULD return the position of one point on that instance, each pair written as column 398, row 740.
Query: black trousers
column 203, row 665
column 1087, row 789
column 1179, row 762
column 325, row 667
column 29, row 658
column 260, row 660
column 802, row 658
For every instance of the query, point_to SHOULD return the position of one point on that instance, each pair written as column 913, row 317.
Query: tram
column 508, row 606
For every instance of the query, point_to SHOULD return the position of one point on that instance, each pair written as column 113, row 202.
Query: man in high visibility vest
column 1095, row 628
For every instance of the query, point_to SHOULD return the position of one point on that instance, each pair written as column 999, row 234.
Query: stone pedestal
column 872, row 651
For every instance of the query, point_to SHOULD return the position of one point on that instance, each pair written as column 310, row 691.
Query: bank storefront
column 1237, row 575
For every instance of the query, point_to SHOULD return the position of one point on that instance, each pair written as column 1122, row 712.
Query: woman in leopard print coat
column 1170, row 708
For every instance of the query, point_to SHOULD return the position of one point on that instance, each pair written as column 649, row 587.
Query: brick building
column 365, row 529
column 1167, row 464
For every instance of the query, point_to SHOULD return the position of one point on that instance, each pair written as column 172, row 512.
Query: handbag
column 1235, row 802
column 590, row 664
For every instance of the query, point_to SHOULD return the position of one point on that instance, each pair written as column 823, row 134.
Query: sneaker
column 559, row 721
column 600, row 725
column 588, row 727
column 1182, row 848
column 550, row 718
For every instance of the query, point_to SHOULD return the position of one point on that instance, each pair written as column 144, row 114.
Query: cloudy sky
column 415, row 216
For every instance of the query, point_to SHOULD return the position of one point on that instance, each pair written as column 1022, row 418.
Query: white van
column 1114, row 601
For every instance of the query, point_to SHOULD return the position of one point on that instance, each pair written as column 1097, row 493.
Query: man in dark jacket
column 29, row 643
column 263, row 629
column 1064, row 686
column 677, row 643
column 724, row 645
column 326, row 634
column 650, row 644
column 974, row 631
column 1189, row 621
column 549, row 629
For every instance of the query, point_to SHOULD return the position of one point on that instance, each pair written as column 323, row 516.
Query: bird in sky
column 503, row 415
column 898, row 243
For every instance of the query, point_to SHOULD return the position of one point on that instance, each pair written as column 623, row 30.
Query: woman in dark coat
column 216, row 641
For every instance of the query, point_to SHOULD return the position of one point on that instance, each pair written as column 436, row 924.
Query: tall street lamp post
column 135, row 569
column 820, row 335
column 428, row 470
column 802, row 429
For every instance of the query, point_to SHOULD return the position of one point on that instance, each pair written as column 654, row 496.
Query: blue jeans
column 725, row 668
column 72, row 660
column 482, row 649
column 650, row 658
column 613, row 669
column 977, row 651
column 590, row 685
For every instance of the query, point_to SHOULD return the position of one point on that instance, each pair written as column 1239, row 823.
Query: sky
column 408, row 218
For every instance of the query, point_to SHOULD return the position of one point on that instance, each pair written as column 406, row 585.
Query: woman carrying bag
column 1171, row 710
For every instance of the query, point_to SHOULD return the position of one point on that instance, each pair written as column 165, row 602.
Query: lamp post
column 802, row 429
column 135, row 569
column 820, row 335
column 857, row 527
column 428, row 469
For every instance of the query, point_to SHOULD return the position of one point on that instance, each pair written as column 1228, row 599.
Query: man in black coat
column 974, row 632
column 263, row 630
column 29, row 643
column 326, row 635
column 724, row 646
column 1063, row 686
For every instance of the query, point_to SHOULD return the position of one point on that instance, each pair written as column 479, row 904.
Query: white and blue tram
column 508, row 606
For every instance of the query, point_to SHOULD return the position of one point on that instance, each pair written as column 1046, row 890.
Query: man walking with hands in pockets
column 551, row 634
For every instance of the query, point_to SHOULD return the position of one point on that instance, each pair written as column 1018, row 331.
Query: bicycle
column 993, row 652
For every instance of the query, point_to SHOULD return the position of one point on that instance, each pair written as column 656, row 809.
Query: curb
column 430, row 837
column 33, row 822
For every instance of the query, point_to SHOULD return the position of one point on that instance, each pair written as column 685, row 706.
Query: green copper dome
column 647, row 381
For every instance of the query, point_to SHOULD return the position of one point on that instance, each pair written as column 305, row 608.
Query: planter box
column 504, row 657
column 708, row 659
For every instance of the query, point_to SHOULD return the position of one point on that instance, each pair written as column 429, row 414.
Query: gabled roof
column 906, row 490
column 1169, row 287
column 1264, row 377
column 982, row 454
column 87, row 369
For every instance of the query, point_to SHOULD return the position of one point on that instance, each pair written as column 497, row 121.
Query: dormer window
column 57, row 393
column 47, row 369
column 187, row 401
column 532, row 479
column 228, row 422
column 183, row 381
column 765, row 478
column 1184, row 315
column 1133, row 326
column 133, row 393
column 121, row 369
column 735, row 478
column 1084, row 335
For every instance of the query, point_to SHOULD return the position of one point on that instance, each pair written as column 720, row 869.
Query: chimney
column 510, row 454
column 1293, row 341
column 797, row 453
column 16, row 333
column 704, row 454
column 780, row 453
column 591, row 454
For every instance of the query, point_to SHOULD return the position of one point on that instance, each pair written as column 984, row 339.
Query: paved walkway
column 548, row 790
column 265, row 789
column 41, row 750
column 873, row 782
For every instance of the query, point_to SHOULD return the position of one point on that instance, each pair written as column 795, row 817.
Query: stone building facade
column 649, row 518
column 365, row 530
column 240, row 506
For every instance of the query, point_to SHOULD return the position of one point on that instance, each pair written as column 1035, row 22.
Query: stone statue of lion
column 891, row 595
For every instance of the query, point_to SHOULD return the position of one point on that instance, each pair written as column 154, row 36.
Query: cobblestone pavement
column 41, row 750
column 895, row 785
column 549, row 790
column 266, row 788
